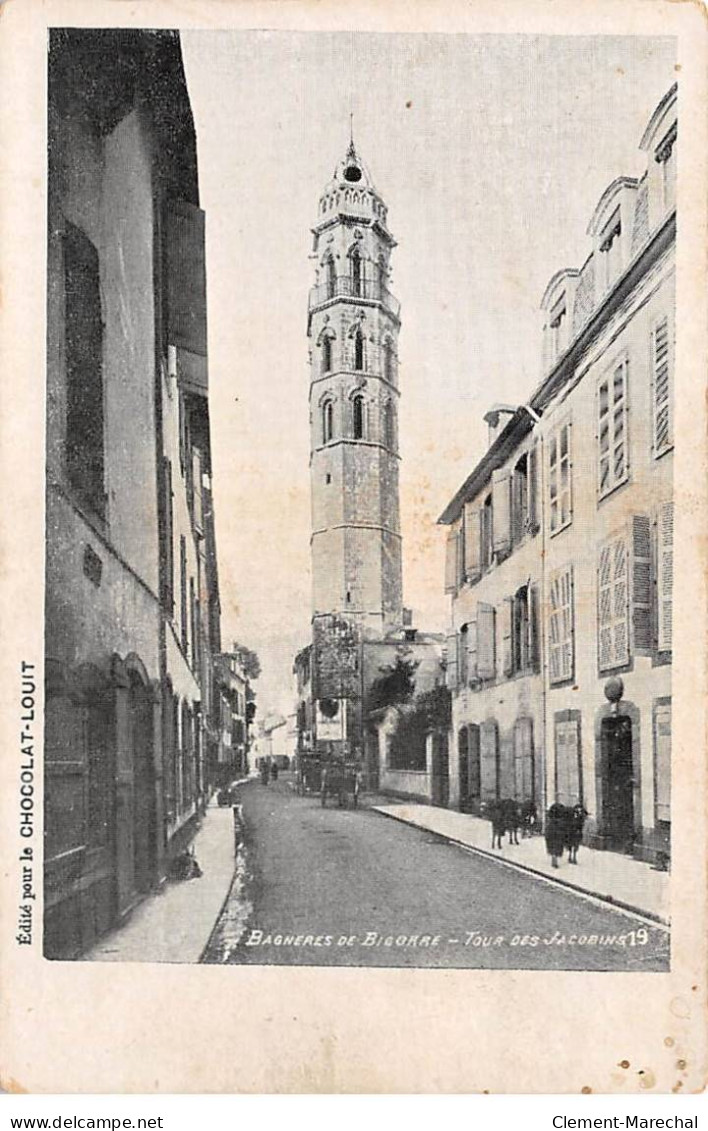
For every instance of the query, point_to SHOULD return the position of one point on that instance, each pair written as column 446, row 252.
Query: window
column 560, row 497
column 83, row 341
column 560, row 626
column 612, row 611
column 357, row 274
column 330, row 277
column 662, row 759
column 662, row 388
column 520, row 635
column 613, row 454
column 557, row 324
column 381, row 275
column 388, row 360
column 327, row 421
column 520, row 639
column 569, row 789
column 389, row 432
column 611, row 249
column 487, row 533
column 326, row 354
column 358, row 349
column 358, row 417
column 665, row 156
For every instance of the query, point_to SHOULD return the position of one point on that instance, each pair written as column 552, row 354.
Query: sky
column 491, row 153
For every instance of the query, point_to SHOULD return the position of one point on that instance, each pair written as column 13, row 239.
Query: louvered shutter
column 472, row 652
column 533, row 487
column 662, row 746
column 486, row 659
column 507, row 612
column 604, row 610
column 662, row 387
column 489, row 761
column 641, row 583
column 534, row 629
column 473, row 542
column 451, row 673
column 568, row 648
column 665, row 575
column 620, row 594
column 451, row 562
column 501, row 512
column 523, row 760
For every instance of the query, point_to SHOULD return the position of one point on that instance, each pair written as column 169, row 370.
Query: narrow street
column 351, row 887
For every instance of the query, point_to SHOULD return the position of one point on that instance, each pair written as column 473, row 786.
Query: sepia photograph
column 354, row 686
column 359, row 512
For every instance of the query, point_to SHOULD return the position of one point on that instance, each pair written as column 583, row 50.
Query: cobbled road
column 350, row 887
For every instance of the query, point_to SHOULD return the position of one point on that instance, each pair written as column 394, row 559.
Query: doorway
column 144, row 823
column 619, row 782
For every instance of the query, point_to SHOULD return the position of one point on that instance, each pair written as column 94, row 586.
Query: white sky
column 491, row 153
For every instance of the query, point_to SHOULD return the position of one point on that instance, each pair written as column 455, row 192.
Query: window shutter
column 568, row 655
column 524, row 760
column 662, row 757
column 534, row 629
column 473, row 542
column 501, row 512
column 472, row 652
column 486, row 659
column 489, row 761
column 641, row 583
column 620, row 595
column 663, row 438
column 451, row 674
column 665, row 575
column 604, row 609
column 186, row 287
column 507, row 621
column 169, row 555
column 533, row 466
column 451, row 562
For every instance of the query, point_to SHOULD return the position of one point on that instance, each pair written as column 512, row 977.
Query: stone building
column 559, row 556
column 132, row 606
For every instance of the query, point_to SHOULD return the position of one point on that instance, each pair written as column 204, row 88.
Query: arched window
column 388, row 360
column 358, row 349
column 327, row 421
column 330, row 277
column 326, row 354
column 381, row 275
column 357, row 272
column 358, row 417
column 389, row 437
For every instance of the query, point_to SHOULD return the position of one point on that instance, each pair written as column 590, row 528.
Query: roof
column 562, row 372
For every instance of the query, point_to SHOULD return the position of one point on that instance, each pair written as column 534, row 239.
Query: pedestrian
column 274, row 771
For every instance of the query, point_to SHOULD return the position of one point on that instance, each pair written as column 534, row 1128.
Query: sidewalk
column 610, row 876
column 175, row 923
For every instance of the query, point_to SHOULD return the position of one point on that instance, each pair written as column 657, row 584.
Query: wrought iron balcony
column 345, row 286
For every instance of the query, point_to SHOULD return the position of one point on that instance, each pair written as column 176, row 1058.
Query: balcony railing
column 344, row 286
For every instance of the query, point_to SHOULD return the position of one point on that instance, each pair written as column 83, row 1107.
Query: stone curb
column 621, row 905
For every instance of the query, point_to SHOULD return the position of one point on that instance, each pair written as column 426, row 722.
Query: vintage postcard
column 354, row 437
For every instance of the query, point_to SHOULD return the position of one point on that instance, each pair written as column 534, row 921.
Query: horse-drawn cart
column 341, row 780
column 309, row 775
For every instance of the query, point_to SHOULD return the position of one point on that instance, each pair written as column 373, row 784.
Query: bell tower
column 353, row 323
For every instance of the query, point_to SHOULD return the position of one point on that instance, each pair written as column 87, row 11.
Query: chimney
column 496, row 419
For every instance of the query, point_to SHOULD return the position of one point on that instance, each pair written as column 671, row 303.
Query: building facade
column 559, row 558
column 131, row 588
